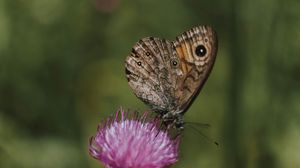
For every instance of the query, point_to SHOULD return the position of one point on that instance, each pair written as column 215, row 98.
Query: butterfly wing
column 152, row 71
column 197, row 50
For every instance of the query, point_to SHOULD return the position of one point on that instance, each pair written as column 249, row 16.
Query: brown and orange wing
column 197, row 50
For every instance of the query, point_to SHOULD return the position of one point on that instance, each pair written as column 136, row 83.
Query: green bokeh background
column 62, row 72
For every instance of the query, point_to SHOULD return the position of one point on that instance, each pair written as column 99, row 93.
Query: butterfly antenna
column 203, row 135
column 203, row 125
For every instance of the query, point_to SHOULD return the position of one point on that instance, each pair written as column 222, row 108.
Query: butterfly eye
column 200, row 50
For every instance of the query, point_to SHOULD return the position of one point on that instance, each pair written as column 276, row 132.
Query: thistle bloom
column 133, row 142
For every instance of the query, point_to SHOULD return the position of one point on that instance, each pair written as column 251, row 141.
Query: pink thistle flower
column 133, row 142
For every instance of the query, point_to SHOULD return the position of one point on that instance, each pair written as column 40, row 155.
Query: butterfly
column 168, row 75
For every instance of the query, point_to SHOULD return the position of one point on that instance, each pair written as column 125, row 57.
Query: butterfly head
column 173, row 120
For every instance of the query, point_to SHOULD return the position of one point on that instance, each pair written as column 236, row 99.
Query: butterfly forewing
column 197, row 50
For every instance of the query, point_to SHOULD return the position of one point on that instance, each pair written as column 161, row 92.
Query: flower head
column 133, row 142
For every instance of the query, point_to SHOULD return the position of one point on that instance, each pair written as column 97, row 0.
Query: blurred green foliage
column 62, row 72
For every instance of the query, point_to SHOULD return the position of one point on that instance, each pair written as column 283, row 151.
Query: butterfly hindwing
column 150, row 74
